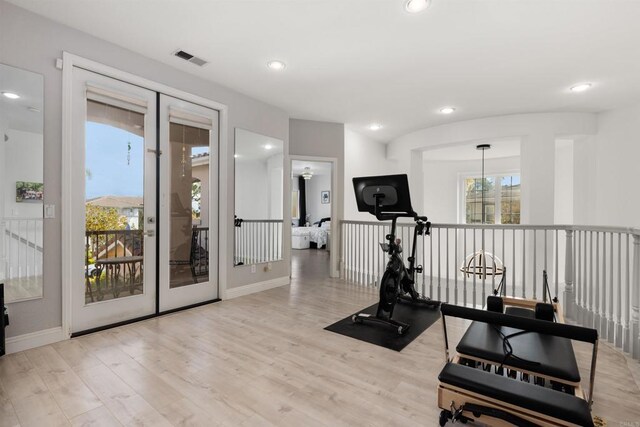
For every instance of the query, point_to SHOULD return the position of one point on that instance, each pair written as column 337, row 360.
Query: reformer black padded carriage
column 466, row 393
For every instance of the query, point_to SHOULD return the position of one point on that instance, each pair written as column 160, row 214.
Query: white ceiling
column 252, row 146
column 364, row 61
column 458, row 152
column 15, row 112
column 317, row 168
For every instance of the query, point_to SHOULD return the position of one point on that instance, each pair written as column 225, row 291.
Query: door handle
column 149, row 233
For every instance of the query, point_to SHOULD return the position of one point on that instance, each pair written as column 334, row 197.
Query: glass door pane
column 189, row 236
column 114, row 207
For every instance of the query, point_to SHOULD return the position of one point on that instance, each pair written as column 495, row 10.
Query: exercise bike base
column 419, row 301
column 400, row 327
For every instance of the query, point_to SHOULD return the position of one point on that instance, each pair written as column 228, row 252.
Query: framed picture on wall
column 325, row 197
column 29, row 191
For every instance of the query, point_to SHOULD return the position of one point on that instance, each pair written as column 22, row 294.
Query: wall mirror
column 21, row 183
column 259, row 180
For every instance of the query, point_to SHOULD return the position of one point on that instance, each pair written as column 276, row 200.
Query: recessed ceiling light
column 581, row 87
column 268, row 147
column 416, row 6
column 235, row 156
column 276, row 65
column 375, row 126
column 10, row 95
column 447, row 110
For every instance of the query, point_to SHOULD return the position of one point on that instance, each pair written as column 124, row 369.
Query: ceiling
column 508, row 147
column 363, row 61
column 317, row 168
column 15, row 112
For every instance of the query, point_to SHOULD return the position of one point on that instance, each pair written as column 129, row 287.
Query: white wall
column 275, row 179
column 363, row 157
column 252, row 189
column 563, row 182
column 442, row 191
column 315, row 185
column 23, row 162
column 606, row 171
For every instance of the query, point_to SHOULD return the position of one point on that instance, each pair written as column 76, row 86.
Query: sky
column 109, row 172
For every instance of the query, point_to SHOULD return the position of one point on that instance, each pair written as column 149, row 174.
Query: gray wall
column 321, row 139
column 32, row 42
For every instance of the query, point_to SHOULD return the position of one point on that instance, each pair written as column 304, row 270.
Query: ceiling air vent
column 190, row 58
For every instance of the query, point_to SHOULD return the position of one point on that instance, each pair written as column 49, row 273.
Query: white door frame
column 334, row 242
column 69, row 61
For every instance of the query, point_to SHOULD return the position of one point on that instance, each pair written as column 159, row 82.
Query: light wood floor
column 259, row 360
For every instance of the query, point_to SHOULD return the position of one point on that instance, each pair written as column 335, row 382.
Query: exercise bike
column 387, row 197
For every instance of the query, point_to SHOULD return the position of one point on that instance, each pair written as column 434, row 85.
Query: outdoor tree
column 196, row 197
column 100, row 218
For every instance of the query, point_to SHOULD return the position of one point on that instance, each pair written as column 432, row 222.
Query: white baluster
column 569, row 297
column 618, row 339
column 635, row 299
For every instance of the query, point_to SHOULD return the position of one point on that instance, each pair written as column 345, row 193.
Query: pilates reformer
column 544, row 359
column 469, row 394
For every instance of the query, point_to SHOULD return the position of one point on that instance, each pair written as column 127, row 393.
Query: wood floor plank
column 8, row 417
column 98, row 417
column 71, row 394
column 124, row 403
column 39, row 410
column 19, row 377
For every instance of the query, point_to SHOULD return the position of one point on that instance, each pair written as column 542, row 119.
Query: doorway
column 144, row 197
column 313, row 213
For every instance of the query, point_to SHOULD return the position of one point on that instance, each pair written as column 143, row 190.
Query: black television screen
column 392, row 191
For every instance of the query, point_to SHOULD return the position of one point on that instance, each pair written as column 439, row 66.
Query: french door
column 145, row 198
column 188, row 203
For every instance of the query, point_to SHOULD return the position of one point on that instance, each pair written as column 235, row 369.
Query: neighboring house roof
column 119, row 202
column 200, row 159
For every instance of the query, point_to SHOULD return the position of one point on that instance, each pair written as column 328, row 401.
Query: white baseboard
column 256, row 287
column 34, row 339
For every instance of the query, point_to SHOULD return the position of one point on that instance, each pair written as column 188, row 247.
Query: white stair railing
column 593, row 271
column 258, row 241
column 20, row 250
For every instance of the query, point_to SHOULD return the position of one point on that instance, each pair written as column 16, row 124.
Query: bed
column 317, row 235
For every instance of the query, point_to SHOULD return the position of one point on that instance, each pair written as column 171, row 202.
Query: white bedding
column 318, row 235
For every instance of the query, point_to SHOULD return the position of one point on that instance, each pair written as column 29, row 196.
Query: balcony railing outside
column 593, row 271
column 110, row 244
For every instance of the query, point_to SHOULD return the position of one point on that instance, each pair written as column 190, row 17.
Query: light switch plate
column 49, row 211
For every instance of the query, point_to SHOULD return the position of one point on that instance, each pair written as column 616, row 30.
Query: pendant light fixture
column 307, row 174
column 482, row 263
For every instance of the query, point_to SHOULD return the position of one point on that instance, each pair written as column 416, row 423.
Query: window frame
column 462, row 202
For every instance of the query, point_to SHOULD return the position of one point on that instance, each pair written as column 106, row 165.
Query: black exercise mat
column 419, row 317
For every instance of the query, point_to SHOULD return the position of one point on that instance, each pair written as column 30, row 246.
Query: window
column 501, row 199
